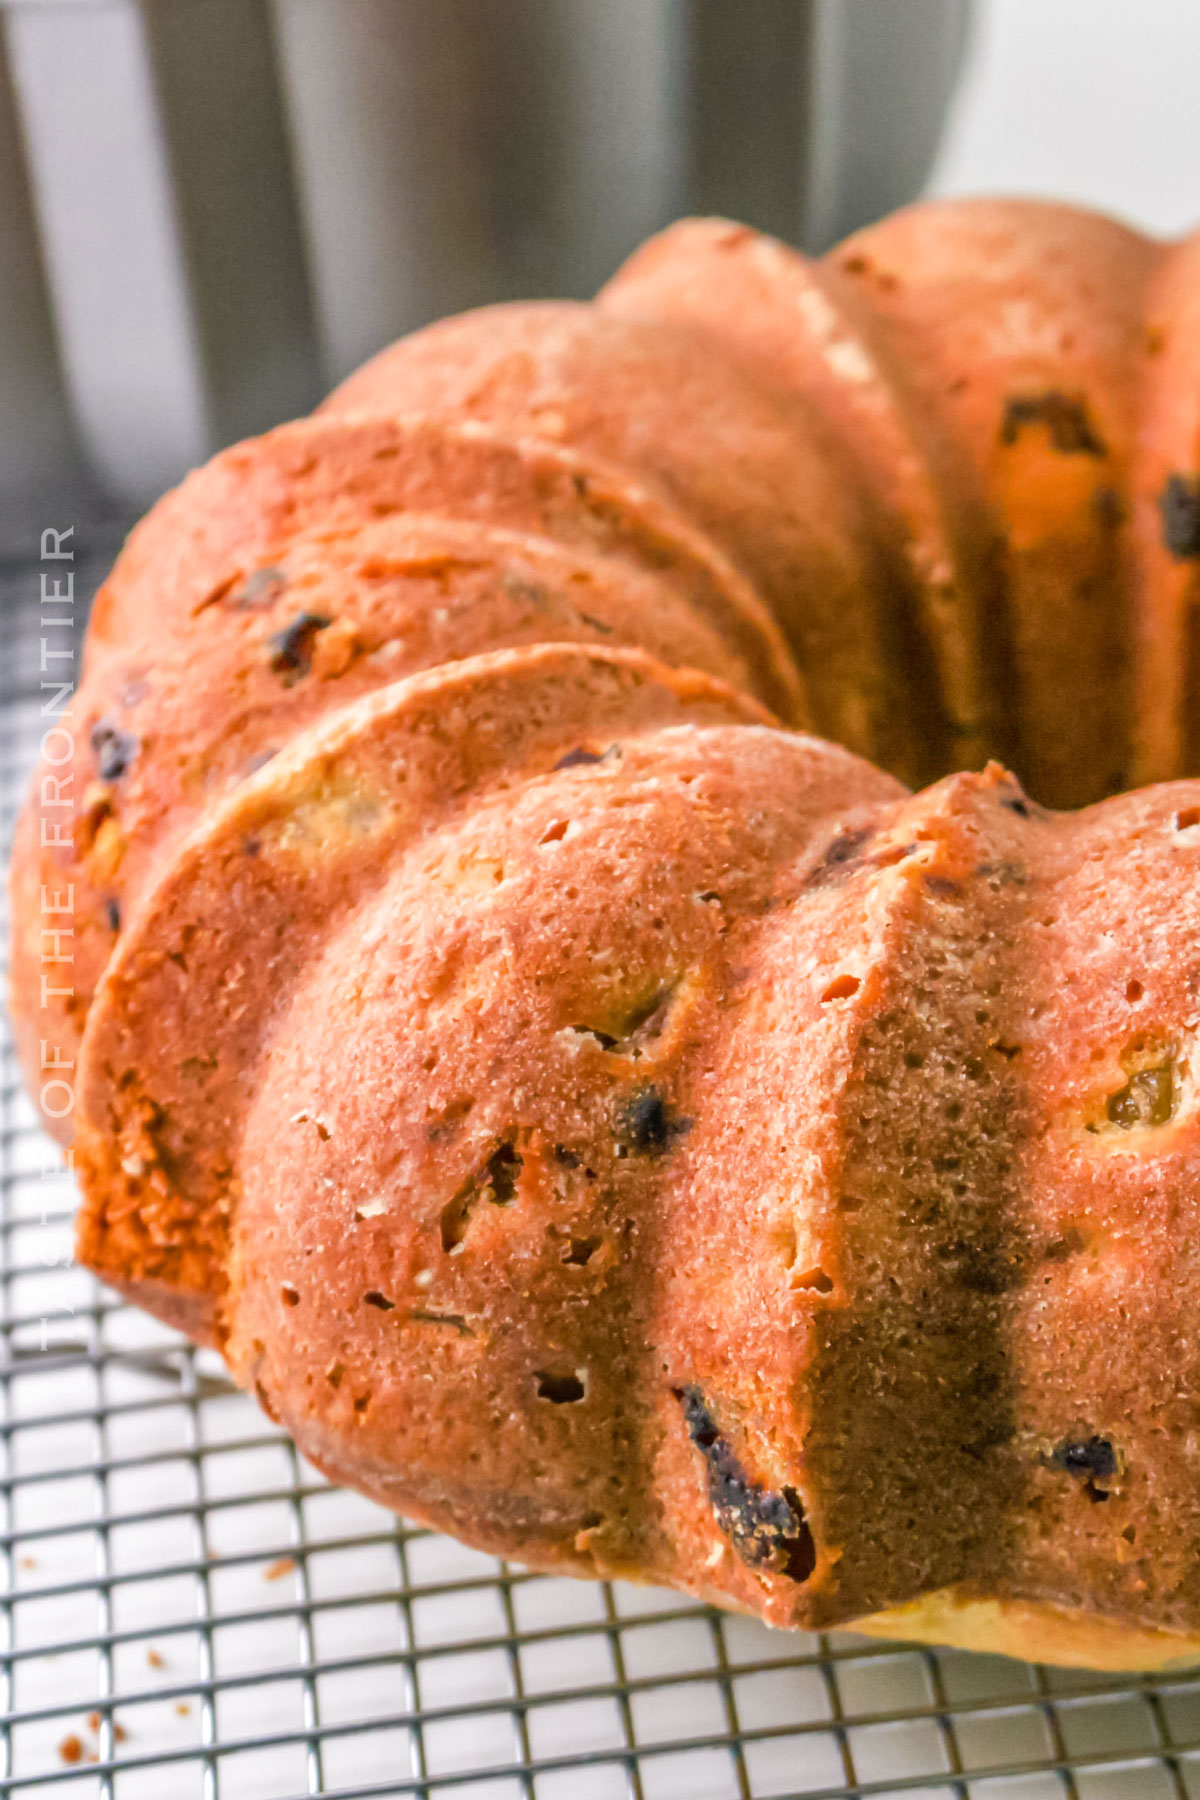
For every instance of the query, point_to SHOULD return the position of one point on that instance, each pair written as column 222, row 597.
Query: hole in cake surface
column 379, row 1301
column 814, row 1279
column 645, row 1019
column 1187, row 818
column 842, row 987
column 1134, row 990
column 605, row 1040
column 600, row 625
column 561, row 1389
column 494, row 1184
column 1064, row 418
column 1149, row 1098
column 580, row 1251
column 307, row 1118
column 289, row 1294
column 630, row 1027
column 452, row 1321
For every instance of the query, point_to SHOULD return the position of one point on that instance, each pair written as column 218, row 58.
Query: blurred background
column 211, row 209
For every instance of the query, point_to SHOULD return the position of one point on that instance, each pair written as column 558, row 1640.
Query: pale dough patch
column 1033, row 1633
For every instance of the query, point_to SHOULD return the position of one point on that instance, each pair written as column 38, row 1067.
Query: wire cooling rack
column 188, row 1610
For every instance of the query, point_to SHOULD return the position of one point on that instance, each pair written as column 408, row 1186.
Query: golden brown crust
column 596, row 1121
column 982, row 364
column 180, row 1018
column 334, row 473
column 180, row 720
column 807, row 331
column 755, row 473
column 1021, row 326
column 213, row 663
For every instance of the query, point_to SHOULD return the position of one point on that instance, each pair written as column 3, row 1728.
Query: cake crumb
column 120, row 1734
column 71, row 1749
column 156, row 1659
column 182, row 1708
column 283, row 1565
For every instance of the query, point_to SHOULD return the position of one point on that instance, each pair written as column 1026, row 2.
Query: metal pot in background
column 212, row 209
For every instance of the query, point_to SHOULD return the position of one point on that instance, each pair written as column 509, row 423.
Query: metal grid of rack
column 186, row 1609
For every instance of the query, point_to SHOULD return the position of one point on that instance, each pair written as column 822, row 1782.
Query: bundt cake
column 595, row 1115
